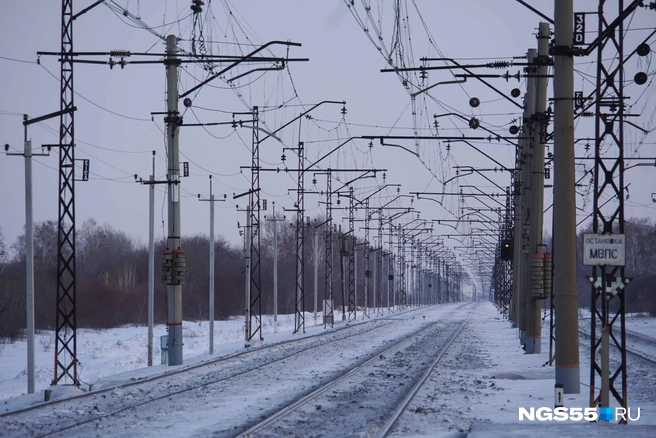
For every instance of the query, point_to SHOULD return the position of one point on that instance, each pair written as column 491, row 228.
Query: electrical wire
column 17, row 60
column 96, row 105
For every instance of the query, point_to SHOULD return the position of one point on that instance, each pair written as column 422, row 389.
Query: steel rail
column 92, row 393
column 253, row 430
column 186, row 368
column 632, row 352
column 187, row 389
column 384, row 431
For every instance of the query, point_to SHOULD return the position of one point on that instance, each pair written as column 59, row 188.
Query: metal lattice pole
column 352, row 309
column 66, row 318
column 329, row 315
column 505, row 273
column 390, row 272
column 299, row 318
column 403, row 298
column 608, row 291
column 367, row 271
column 254, row 311
column 379, row 267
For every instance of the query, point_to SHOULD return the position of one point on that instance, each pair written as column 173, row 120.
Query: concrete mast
column 174, row 287
column 533, row 326
column 564, row 206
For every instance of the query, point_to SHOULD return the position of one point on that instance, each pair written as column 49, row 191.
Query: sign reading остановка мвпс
column 603, row 249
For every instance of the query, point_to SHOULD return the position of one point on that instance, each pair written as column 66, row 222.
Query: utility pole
column 343, row 252
column 275, row 269
column 299, row 314
column 439, row 282
column 29, row 260
column 247, row 286
column 211, row 279
column 612, row 111
column 29, row 246
column 540, row 120
column 151, row 263
column 564, row 205
column 527, row 192
column 367, row 272
column 446, row 282
column 316, row 273
column 402, row 270
column 353, row 310
column 174, row 252
column 211, row 200
column 517, row 261
column 66, row 316
column 390, row 272
column 328, row 303
column 375, row 282
column 275, row 221
column 355, row 281
column 151, row 254
column 254, row 305
column 378, row 268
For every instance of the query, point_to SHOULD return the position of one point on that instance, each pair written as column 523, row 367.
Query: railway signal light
column 506, row 249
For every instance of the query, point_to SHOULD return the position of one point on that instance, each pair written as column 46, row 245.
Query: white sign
column 603, row 249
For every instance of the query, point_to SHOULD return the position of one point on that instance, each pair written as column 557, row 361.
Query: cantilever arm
column 236, row 63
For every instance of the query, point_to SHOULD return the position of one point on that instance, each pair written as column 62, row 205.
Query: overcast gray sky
column 115, row 131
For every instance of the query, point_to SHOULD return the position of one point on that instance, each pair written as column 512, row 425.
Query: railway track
column 365, row 386
column 644, row 340
column 634, row 352
column 184, row 369
column 203, row 384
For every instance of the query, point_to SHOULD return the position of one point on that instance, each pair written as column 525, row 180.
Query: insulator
column 640, row 78
column 537, row 275
column 119, row 53
column 196, row 6
column 167, row 266
column 548, row 266
column 643, row 49
column 499, row 64
column 474, row 123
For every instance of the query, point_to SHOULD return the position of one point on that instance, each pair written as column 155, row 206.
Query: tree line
column 112, row 275
column 640, row 294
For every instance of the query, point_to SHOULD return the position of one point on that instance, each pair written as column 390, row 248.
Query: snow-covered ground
column 479, row 386
column 104, row 353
